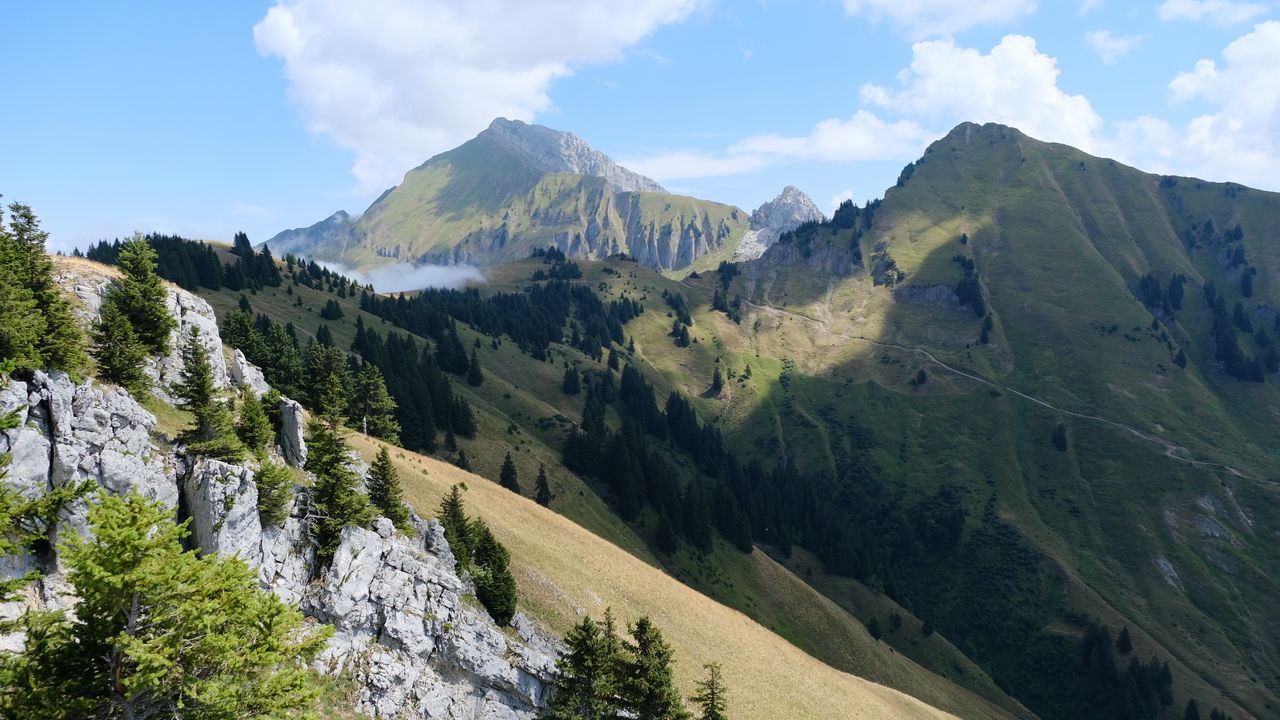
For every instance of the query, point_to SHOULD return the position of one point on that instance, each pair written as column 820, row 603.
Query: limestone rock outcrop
column 247, row 376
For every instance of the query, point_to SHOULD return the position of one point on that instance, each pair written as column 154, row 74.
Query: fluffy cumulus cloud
column 1111, row 47
column 934, row 18
column 1220, row 12
column 396, row 81
column 1014, row 84
column 1238, row 136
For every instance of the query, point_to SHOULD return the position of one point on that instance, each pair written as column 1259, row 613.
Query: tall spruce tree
column 336, row 500
column 143, row 296
column 119, row 354
column 384, row 491
column 648, row 687
column 372, row 407
column 37, row 328
column 495, row 586
column 508, row 477
column 571, row 385
column 586, row 685
column 213, row 433
column 157, row 628
column 542, row 490
column 710, row 696
column 453, row 518
column 254, row 428
column 475, row 376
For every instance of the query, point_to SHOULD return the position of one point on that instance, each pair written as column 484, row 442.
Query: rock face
column 247, row 376
column 293, row 446
column 554, row 151
column 88, row 283
column 403, row 629
column 769, row 221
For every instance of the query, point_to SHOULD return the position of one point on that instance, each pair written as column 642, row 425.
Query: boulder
column 222, row 500
column 247, row 376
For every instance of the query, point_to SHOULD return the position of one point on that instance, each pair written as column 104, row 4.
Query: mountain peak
column 786, row 211
column 561, row 152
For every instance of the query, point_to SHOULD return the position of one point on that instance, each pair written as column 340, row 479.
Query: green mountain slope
column 491, row 201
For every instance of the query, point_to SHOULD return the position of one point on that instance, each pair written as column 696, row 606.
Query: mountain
column 515, row 188
column 791, row 209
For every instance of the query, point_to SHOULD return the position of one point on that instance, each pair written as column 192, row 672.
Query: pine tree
column 213, row 433
column 453, row 518
column 157, row 628
column 1124, row 643
column 475, row 376
column 143, row 296
column 373, row 407
column 275, row 490
column 543, row 488
column 462, row 462
column 119, row 354
column 571, row 385
column 336, row 500
column 254, row 429
column 508, row 477
column 717, row 382
column 711, row 695
column 585, row 680
column 38, row 329
column 385, row 493
column 495, row 586
column 1192, row 712
column 648, row 686
column 1180, row 359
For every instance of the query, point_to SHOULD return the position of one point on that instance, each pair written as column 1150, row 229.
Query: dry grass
column 564, row 571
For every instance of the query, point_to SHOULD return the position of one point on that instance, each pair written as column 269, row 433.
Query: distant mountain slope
column 516, row 187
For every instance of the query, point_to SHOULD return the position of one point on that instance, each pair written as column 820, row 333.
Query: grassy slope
column 1059, row 239
column 521, row 410
column 564, row 570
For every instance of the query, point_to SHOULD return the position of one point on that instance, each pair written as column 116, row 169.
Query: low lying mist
column 402, row 277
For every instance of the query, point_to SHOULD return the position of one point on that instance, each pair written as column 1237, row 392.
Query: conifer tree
column 37, row 329
column 711, row 694
column 336, row 500
column 385, row 493
column 717, row 382
column 275, row 489
column 453, row 518
column 143, row 296
column 585, row 681
column 1124, row 643
column 475, row 376
column 213, row 433
column 543, row 488
column 157, row 628
column 373, row 407
column 648, row 685
column 462, row 462
column 507, row 477
column 254, row 429
column 571, row 385
column 119, row 354
column 1192, row 711
column 495, row 586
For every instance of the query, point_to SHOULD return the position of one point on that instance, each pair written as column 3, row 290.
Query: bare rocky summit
column 788, row 211
column 555, row 151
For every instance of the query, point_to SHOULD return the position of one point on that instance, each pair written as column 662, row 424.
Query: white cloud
column 1239, row 139
column 1220, row 12
column 1111, row 47
column 1014, row 84
column 861, row 137
column 934, row 18
column 1088, row 6
column 396, row 81
column 838, row 198
column 403, row 277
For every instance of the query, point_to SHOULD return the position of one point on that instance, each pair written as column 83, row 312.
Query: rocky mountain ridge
column 790, row 209
column 403, row 628
column 554, row 151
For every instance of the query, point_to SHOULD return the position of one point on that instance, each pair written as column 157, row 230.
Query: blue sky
column 207, row 118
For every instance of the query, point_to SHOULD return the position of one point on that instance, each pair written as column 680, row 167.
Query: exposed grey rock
column 247, row 376
column 222, row 500
column 943, row 296
column 769, row 221
column 293, row 446
column 554, row 151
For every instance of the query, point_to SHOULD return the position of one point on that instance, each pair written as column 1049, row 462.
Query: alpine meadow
column 546, row 432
